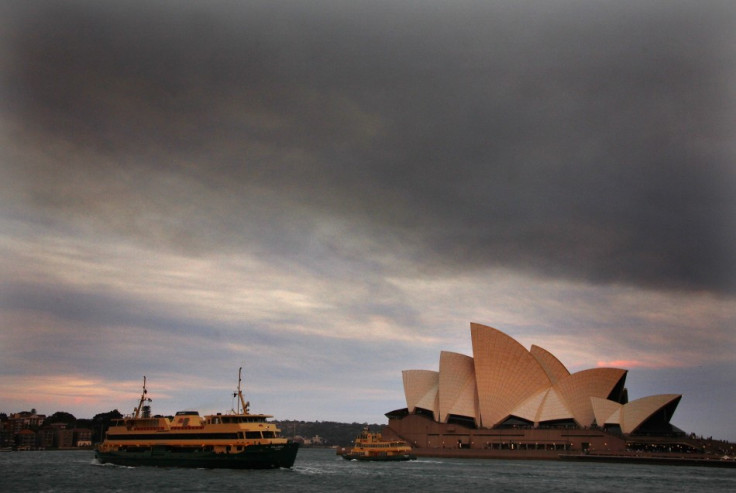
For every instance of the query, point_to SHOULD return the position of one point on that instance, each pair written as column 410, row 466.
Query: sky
column 327, row 193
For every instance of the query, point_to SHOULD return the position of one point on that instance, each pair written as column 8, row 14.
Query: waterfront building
column 25, row 440
column 25, row 420
column 505, row 397
column 82, row 437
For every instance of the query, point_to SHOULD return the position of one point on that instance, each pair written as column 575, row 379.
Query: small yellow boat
column 372, row 447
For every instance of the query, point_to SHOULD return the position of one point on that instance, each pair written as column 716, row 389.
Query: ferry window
column 252, row 434
column 268, row 434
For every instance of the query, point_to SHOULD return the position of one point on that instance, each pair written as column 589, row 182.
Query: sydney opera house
column 506, row 400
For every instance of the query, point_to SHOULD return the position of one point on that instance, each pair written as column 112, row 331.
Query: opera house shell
column 506, row 397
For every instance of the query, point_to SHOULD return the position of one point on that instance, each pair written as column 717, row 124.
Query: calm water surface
column 318, row 470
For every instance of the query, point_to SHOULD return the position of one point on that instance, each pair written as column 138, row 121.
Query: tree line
column 331, row 432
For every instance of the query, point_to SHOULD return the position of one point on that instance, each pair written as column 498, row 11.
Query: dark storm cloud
column 571, row 139
column 98, row 309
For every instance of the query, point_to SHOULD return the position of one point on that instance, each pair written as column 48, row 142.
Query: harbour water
column 320, row 470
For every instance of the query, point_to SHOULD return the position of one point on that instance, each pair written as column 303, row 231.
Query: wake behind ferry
column 236, row 440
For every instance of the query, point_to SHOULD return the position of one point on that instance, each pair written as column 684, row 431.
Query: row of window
column 235, row 419
column 194, row 436
column 381, row 445
column 529, row 446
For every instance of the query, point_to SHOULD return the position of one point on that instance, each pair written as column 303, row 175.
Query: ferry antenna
column 143, row 399
column 241, row 402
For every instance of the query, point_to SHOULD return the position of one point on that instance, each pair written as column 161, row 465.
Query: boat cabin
column 187, row 420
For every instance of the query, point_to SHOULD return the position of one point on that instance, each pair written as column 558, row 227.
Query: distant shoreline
column 50, row 449
column 701, row 461
column 658, row 460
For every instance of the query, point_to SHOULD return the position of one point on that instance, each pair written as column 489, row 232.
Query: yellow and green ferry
column 235, row 440
column 370, row 446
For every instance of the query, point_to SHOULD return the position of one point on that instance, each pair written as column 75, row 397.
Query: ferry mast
column 140, row 407
column 241, row 401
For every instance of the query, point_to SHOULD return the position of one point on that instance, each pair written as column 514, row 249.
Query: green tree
column 61, row 417
column 101, row 422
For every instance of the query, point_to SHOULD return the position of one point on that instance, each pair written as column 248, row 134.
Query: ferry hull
column 253, row 457
column 380, row 458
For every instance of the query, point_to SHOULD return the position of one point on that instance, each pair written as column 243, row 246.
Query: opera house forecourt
column 509, row 402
